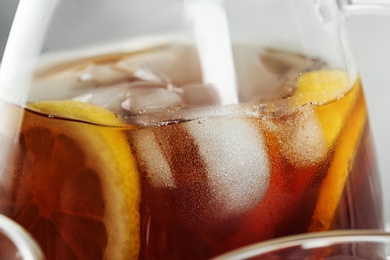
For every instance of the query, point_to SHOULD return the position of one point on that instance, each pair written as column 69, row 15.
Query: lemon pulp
column 77, row 188
column 340, row 109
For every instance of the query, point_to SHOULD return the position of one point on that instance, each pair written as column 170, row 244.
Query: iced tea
column 295, row 156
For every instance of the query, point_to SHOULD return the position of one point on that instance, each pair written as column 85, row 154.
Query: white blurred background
column 370, row 42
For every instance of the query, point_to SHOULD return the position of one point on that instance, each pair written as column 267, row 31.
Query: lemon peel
column 109, row 155
column 340, row 108
column 332, row 94
column 77, row 110
column 333, row 185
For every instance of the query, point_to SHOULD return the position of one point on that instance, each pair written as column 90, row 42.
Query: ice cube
column 153, row 160
column 216, row 169
column 71, row 79
column 177, row 64
column 196, row 95
column 237, row 163
column 104, row 74
column 145, row 72
column 266, row 74
column 301, row 137
column 62, row 85
column 170, row 64
column 148, row 100
column 107, row 97
column 134, row 97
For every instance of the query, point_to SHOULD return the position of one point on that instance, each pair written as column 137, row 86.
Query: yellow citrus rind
column 108, row 154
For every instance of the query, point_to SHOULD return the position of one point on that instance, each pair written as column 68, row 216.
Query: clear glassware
column 16, row 243
column 183, row 129
column 340, row 244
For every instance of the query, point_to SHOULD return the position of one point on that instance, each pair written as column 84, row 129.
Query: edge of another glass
column 308, row 240
column 26, row 245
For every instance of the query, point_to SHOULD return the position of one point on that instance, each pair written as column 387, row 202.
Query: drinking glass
column 16, row 243
column 183, row 129
column 339, row 244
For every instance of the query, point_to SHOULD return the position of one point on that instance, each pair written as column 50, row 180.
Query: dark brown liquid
column 181, row 222
column 360, row 206
column 204, row 190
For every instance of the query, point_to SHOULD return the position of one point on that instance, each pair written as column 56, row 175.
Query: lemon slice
column 78, row 192
column 340, row 109
column 333, row 94
column 77, row 110
column 344, row 153
column 322, row 86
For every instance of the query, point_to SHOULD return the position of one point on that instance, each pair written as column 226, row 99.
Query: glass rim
column 307, row 241
column 23, row 241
